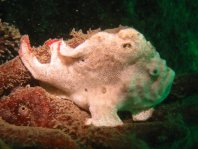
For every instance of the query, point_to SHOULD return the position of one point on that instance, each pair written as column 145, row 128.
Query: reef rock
column 13, row 74
column 35, row 108
column 9, row 41
column 31, row 117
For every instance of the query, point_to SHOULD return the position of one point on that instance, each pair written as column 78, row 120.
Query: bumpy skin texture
column 12, row 75
column 106, row 73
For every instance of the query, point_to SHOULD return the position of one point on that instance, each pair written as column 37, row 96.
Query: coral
column 41, row 117
column 34, row 107
column 12, row 75
column 42, row 53
column 9, row 41
column 34, row 137
column 79, row 37
column 39, row 109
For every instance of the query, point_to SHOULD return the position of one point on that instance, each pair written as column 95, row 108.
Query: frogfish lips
column 168, row 83
column 145, row 91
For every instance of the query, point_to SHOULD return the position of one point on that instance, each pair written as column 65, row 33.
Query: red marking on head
column 20, row 51
column 59, row 44
column 25, row 40
column 50, row 41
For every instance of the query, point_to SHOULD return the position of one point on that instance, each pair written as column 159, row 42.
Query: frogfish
column 107, row 73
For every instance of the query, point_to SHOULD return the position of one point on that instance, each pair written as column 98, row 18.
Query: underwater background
column 170, row 25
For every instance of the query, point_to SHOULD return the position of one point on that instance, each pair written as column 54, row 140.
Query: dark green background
column 171, row 25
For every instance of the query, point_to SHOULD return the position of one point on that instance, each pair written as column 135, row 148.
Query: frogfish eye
column 154, row 72
column 23, row 110
column 126, row 45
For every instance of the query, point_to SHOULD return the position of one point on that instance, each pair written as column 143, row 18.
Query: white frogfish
column 106, row 73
